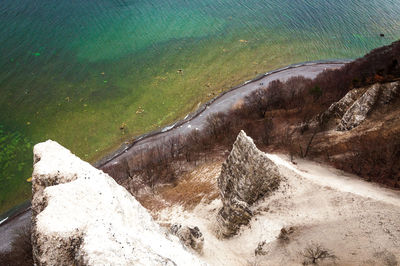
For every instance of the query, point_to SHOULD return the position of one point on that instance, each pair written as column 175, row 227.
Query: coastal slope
column 81, row 216
column 315, row 206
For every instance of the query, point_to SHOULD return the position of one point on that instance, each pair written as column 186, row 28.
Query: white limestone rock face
column 377, row 94
column 359, row 110
column 390, row 91
column 338, row 109
column 81, row 216
column 246, row 176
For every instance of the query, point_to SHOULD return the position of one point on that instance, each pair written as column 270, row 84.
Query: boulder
column 285, row 233
column 232, row 216
column 246, row 176
column 262, row 249
column 81, row 216
column 191, row 237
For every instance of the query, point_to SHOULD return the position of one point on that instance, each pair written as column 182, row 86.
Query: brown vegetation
column 375, row 158
column 194, row 187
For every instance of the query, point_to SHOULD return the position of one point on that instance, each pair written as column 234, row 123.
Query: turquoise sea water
column 75, row 70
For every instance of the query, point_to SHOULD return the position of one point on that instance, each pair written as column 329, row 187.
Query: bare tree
column 173, row 143
column 257, row 102
column 314, row 253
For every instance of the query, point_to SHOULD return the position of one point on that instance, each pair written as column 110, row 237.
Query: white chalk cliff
column 377, row 94
column 246, row 176
column 81, row 216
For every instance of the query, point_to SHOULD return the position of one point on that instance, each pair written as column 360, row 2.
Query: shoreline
column 124, row 148
column 190, row 116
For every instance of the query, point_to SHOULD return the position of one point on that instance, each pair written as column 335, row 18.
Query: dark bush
column 316, row 92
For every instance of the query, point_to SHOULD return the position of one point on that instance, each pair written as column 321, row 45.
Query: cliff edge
column 81, row 216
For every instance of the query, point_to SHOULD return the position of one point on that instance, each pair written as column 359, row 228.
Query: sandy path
column 356, row 220
column 336, row 179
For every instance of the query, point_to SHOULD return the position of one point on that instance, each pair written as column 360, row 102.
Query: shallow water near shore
column 75, row 71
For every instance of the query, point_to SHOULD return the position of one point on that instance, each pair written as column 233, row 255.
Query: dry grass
column 199, row 185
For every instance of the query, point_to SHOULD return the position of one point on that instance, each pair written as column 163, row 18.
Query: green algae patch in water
column 15, row 168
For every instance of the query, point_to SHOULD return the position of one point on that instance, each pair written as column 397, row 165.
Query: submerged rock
column 246, row 176
column 191, row 237
column 81, row 216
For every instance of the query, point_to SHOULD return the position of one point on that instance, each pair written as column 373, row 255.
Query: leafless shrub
column 173, row 145
column 315, row 253
column 192, row 145
column 256, row 103
column 288, row 143
column 261, row 100
column 120, row 171
column 218, row 125
column 308, row 146
column 276, row 95
column 266, row 135
column 295, row 87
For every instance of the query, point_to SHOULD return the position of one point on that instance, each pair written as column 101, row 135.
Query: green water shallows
column 75, row 70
